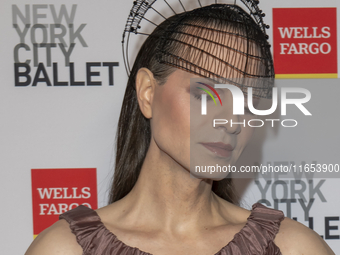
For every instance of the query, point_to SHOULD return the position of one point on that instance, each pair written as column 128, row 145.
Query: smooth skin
column 168, row 212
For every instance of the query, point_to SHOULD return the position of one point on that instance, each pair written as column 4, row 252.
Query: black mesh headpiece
column 219, row 41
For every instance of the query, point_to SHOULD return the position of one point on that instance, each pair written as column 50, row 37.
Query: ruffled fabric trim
column 255, row 238
column 93, row 236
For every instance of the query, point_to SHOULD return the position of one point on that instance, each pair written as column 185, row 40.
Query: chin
column 208, row 176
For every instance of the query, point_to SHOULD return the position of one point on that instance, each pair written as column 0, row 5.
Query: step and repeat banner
column 62, row 84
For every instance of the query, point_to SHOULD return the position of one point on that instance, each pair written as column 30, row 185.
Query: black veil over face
column 219, row 41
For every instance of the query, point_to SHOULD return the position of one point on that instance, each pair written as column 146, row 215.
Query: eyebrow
column 211, row 80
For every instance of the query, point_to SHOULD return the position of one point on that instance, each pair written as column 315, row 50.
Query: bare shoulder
column 57, row 239
column 295, row 238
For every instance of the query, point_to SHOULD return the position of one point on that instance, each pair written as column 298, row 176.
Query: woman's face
column 189, row 138
column 178, row 127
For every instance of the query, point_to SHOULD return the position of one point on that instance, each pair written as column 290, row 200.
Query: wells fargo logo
column 55, row 191
column 305, row 42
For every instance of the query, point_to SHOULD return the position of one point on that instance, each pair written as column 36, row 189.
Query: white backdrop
column 46, row 127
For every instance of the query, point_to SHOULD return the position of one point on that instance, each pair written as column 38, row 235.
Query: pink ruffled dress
column 255, row 238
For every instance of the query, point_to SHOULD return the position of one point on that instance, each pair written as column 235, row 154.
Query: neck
column 167, row 197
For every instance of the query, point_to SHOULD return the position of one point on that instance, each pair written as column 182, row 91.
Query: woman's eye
column 199, row 96
column 198, row 92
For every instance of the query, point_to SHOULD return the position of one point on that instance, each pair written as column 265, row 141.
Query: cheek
column 178, row 109
column 171, row 122
column 244, row 137
column 247, row 133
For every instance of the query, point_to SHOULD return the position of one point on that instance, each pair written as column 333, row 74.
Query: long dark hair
column 134, row 132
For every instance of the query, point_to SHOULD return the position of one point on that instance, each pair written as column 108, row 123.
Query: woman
column 155, row 204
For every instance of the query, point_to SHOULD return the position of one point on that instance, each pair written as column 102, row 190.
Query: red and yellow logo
column 55, row 191
column 305, row 42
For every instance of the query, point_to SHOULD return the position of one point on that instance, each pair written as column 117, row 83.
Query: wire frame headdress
column 218, row 41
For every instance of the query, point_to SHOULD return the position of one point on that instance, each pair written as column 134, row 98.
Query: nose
column 227, row 121
column 235, row 124
column 231, row 126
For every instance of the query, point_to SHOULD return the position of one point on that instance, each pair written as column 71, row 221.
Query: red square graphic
column 55, row 191
column 305, row 42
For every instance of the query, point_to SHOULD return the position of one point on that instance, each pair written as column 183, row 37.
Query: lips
column 220, row 149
